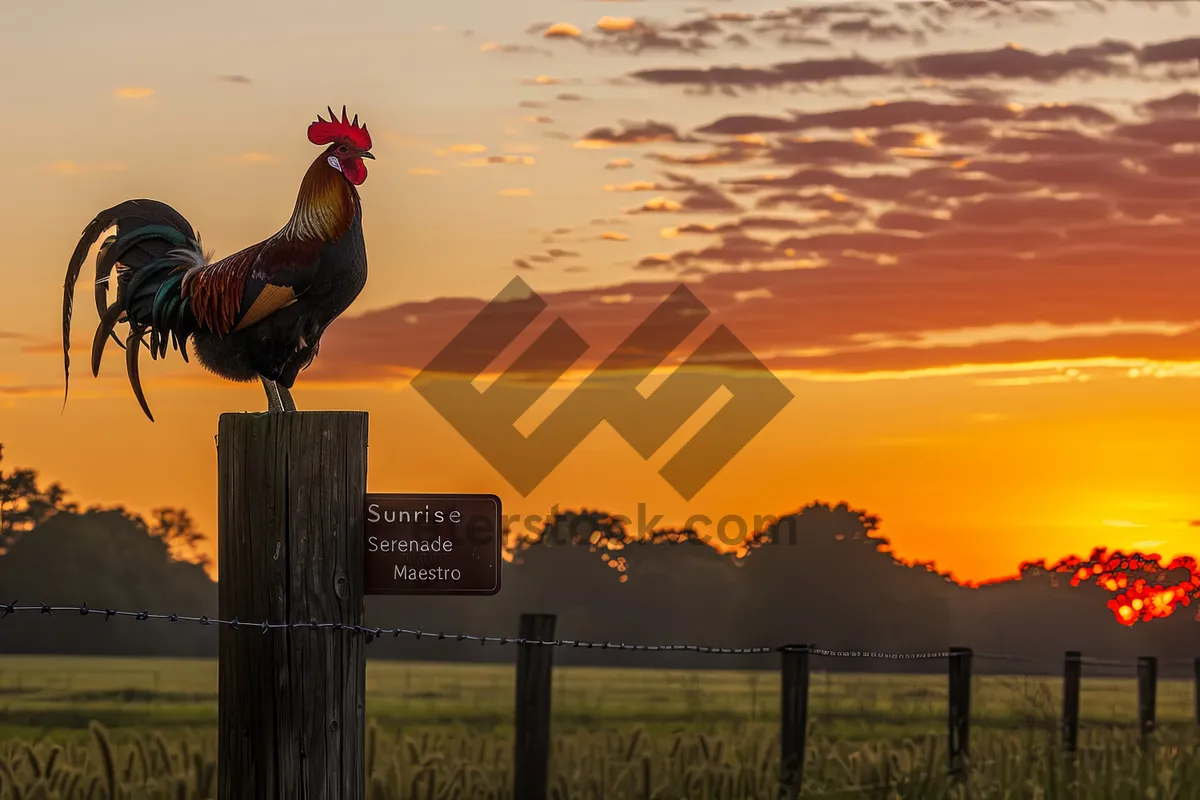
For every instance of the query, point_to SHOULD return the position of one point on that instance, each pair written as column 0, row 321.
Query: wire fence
column 373, row 633
column 795, row 677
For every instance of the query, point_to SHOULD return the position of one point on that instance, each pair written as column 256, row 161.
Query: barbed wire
column 373, row 633
column 936, row 654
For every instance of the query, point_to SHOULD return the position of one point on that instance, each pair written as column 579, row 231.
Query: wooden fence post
column 1196, row 670
column 1147, row 683
column 535, row 668
column 793, row 719
column 959, row 703
column 1072, row 672
column 290, row 548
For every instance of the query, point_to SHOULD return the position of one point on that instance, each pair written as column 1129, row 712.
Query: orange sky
column 973, row 262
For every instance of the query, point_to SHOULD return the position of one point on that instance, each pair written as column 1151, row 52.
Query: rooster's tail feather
column 152, row 247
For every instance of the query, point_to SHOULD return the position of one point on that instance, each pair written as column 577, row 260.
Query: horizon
column 965, row 252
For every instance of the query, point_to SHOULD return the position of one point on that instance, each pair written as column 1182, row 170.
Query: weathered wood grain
column 793, row 719
column 291, row 706
column 531, row 749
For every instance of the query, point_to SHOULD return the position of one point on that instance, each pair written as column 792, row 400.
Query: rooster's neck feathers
column 325, row 205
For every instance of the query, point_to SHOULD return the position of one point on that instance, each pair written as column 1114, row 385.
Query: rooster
column 256, row 314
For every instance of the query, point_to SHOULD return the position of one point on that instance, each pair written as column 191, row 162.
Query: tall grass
column 634, row 765
column 126, row 729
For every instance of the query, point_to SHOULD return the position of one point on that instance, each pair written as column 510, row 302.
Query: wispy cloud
column 527, row 161
column 133, row 92
column 78, row 168
column 562, row 30
column 249, row 158
column 470, row 147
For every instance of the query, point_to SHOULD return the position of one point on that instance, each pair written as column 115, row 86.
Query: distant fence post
column 793, row 719
column 1147, row 683
column 535, row 668
column 290, row 546
column 1196, row 670
column 1072, row 673
column 959, row 704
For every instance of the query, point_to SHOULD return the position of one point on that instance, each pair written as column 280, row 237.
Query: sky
column 963, row 235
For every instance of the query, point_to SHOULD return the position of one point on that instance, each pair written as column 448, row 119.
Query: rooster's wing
column 252, row 284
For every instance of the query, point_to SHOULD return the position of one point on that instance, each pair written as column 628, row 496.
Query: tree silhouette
column 108, row 558
column 24, row 503
column 178, row 530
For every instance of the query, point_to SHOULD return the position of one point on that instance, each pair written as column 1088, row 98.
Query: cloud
column 133, row 92
column 634, row 186
column 505, row 159
column 562, row 30
column 631, row 133
column 1015, row 63
column 463, row 148
column 30, row 390
column 624, row 34
column 616, row 24
column 1183, row 104
column 1169, row 131
column 875, row 115
column 809, row 25
column 1176, row 51
column 871, row 29
column 860, row 318
column 1108, row 58
column 1025, row 217
column 422, row 171
column 516, row 192
column 513, row 49
column 659, row 204
column 239, row 79
column 798, row 72
column 695, row 195
column 77, row 168
column 549, row 256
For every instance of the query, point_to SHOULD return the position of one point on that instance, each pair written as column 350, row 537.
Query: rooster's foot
column 274, row 403
column 285, row 398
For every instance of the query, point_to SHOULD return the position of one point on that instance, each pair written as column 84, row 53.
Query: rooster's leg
column 274, row 404
column 285, row 398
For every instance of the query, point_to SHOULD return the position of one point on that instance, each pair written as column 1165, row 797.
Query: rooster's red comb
column 344, row 131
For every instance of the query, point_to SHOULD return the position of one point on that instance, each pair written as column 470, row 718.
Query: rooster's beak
column 367, row 155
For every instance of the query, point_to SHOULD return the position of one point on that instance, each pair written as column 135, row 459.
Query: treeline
column 54, row 551
column 823, row 575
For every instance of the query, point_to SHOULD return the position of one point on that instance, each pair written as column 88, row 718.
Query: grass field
column 136, row 728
